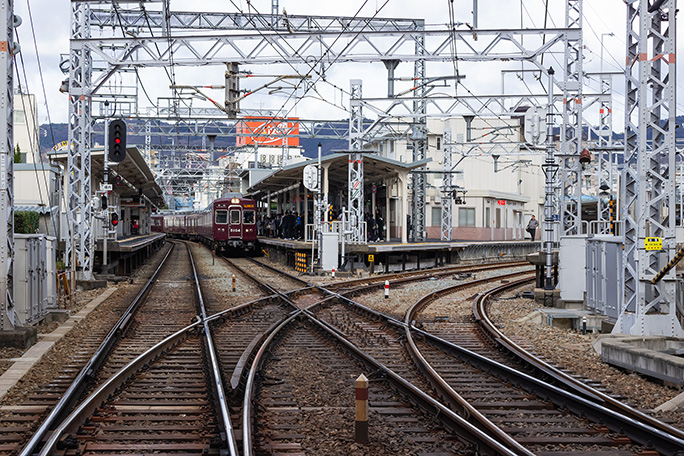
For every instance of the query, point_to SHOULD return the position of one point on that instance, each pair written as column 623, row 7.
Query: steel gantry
column 605, row 163
column 447, row 190
column 419, row 143
column 572, row 128
column 7, row 20
column 79, row 244
column 648, row 180
column 355, row 190
column 164, row 38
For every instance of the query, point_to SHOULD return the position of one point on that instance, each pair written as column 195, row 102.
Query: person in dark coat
column 532, row 227
column 380, row 223
column 288, row 223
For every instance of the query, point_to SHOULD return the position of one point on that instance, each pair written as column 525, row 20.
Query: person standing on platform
column 532, row 227
column 381, row 224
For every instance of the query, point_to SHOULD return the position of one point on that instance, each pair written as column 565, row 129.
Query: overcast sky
column 51, row 23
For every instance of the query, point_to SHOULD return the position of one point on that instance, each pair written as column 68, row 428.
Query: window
column 234, row 216
column 19, row 117
column 439, row 143
column 248, row 217
column 488, row 217
column 221, row 217
column 498, row 217
column 466, row 216
column 437, row 216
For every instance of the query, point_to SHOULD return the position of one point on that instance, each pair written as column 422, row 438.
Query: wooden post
column 233, row 282
column 361, row 421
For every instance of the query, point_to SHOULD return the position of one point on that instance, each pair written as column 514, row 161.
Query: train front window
column 221, row 217
column 248, row 217
column 235, row 216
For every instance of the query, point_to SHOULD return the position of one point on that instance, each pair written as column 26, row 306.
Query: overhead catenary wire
column 312, row 68
column 35, row 148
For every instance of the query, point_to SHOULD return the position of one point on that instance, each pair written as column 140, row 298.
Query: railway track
column 540, row 415
column 153, row 392
column 286, row 360
column 19, row 422
column 530, row 434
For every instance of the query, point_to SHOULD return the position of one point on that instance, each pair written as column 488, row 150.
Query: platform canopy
column 133, row 169
column 375, row 170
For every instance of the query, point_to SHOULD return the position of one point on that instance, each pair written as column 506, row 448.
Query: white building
column 503, row 183
column 251, row 156
column 26, row 127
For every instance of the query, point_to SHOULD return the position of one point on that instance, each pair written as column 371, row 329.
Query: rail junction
column 279, row 282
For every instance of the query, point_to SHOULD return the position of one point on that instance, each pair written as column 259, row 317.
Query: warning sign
column 371, row 258
column 653, row 243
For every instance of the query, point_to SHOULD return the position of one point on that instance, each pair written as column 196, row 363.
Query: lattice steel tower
column 648, row 181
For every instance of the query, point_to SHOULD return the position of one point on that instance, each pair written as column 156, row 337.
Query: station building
column 500, row 183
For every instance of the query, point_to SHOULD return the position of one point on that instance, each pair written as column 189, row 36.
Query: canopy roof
column 375, row 169
column 133, row 169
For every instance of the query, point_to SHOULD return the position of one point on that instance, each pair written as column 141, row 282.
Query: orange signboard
column 268, row 132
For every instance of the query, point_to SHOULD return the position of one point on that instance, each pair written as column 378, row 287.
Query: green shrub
column 26, row 222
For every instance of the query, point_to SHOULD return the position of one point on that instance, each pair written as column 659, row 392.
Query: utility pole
column 7, row 166
column 550, row 170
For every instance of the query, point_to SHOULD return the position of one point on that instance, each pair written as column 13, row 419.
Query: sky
column 51, row 25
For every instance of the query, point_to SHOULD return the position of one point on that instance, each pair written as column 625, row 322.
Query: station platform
column 397, row 256
column 125, row 254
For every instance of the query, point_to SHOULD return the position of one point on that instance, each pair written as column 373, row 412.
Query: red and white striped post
column 233, row 282
column 361, row 421
column 386, row 289
column 333, row 273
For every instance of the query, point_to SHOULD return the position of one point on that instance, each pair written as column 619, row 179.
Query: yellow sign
column 653, row 243
column 371, row 258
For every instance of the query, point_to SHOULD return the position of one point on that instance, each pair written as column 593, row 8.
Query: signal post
column 114, row 149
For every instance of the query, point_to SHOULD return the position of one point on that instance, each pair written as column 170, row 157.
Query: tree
column 17, row 154
column 26, row 222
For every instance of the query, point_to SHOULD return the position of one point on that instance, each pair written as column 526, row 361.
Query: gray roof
column 375, row 170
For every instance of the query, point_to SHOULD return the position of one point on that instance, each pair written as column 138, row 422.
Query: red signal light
column 117, row 140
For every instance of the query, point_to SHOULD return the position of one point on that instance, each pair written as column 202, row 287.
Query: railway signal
column 117, row 140
column 115, row 219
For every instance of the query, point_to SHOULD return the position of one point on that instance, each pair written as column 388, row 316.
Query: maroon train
column 228, row 223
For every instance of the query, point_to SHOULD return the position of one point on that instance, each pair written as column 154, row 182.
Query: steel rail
column 639, row 432
column 71, row 396
column 501, row 438
column 465, row 432
column 463, row 406
column 90, row 404
column 585, row 400
column 102, row 393
column 216, row 376
column 247, row 449
column 668, row 439
column 264, row 285
column 404, row 277
column 582, row 404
